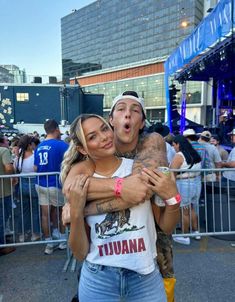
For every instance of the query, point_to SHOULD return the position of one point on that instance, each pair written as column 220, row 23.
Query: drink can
column 164, row 170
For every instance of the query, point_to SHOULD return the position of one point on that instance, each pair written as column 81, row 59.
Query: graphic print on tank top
column 115, row 223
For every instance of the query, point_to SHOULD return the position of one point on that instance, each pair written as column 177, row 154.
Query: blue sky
column 30, row 33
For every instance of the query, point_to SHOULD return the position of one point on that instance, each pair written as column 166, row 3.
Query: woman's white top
column 127, row 238
column 28, row 164
column 185, row 165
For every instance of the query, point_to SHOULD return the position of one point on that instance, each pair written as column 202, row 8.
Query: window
column 22, row 97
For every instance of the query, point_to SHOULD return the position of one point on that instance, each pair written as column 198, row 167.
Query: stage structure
column 207, row 54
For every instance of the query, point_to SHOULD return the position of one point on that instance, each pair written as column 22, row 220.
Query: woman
column 188, row 183
column 120, row 247
column 24, row 164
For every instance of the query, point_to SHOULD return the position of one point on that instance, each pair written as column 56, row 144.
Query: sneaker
column 198, row 237
column 63, row 245
column 21, row 238
column 50, row 247
column 8, row 231
column 56, row 234
column 182, row 240
column 35, row 237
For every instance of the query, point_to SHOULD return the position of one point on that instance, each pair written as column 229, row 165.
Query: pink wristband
column 118, row 186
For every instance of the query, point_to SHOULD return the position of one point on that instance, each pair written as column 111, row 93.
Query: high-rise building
column 6, row 76
column 111, row 46
column 19, row 76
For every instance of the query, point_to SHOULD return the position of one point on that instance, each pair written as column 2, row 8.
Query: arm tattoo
column 105, row 206
column 151, row 153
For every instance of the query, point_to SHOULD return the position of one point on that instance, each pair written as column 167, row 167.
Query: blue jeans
column 112, row 284
column 5, row 211
column 28, row 212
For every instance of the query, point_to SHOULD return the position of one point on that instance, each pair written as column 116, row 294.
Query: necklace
column 130, row 154
column 111, row 171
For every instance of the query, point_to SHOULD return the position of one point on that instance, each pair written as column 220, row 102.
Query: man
column 229, row 176
column 214, row 156
column 192, row 137
column 47, row 158
column 225, row 126
column 127, row 118
column 215, row 140
column 6, row 167
column 4, row 141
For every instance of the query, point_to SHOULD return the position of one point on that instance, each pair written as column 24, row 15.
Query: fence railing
column 211, row 211
column 212, row 200
column 21, row 215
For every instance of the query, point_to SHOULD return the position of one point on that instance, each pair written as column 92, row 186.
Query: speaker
column 52, row 80
column 37, row 80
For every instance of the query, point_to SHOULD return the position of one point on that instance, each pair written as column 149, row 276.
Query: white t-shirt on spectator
column 230, row 174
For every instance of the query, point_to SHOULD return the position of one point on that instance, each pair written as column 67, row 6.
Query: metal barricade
column 21, row 223
column 215, row 208
column 20, row 210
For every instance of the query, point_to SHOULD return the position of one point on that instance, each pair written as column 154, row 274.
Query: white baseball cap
column 189, row 132
column 128, row 95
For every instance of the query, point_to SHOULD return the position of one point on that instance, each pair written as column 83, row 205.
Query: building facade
column 111, row 46
column 19, row 76
column 27, row 106
column 6, row 76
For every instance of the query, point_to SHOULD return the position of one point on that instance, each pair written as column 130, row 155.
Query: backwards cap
column 206, row 134
column 128, row 95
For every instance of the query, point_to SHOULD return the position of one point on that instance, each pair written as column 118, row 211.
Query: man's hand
column 161, row 184
column 135, row 189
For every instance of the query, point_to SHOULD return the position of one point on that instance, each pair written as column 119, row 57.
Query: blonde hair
column 77, row 139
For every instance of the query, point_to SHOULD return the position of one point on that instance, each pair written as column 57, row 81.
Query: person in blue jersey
column 47, row 158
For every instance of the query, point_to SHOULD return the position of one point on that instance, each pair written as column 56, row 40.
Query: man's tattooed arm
column 151, row 153
column 105, row 206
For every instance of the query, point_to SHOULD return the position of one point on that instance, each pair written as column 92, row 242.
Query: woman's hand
column 85, row 167
column 77, row 195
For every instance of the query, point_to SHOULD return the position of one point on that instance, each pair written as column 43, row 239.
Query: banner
column 214, row 28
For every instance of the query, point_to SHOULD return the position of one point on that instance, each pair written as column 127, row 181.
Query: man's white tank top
column 125, row 239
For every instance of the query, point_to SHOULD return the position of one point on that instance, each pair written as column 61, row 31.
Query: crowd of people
column 31, row 205
column 122, row 208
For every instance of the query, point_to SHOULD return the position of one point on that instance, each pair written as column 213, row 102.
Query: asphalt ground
column 205, row 271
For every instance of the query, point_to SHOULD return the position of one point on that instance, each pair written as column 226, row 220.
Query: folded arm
column 101, row 196
column 151, row 153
